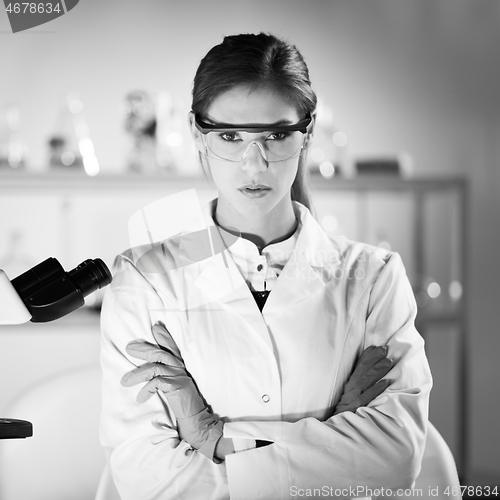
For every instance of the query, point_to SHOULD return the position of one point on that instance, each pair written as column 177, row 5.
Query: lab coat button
column 266, row 398
column 259, row 267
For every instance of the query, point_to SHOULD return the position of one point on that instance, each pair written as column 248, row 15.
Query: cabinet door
column 337, row 212
column 378, row 218
column 31, row 230
column 443, row 353
column 443, row 252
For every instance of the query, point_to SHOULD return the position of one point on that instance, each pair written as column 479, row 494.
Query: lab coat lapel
column 297, row 281
column 306, row 272
column 217, row 280
column 204, row 261
column 232, row 291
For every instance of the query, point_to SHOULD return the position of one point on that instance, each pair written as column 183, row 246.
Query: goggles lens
column 274, row 146
column 234, row 143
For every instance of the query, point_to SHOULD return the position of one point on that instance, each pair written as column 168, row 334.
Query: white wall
column 415, row 75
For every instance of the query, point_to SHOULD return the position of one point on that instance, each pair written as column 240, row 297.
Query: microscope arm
column 12, row 308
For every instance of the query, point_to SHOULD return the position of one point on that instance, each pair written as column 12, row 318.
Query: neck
column 272, row 227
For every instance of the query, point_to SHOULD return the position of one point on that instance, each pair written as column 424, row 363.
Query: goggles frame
column 304, row 126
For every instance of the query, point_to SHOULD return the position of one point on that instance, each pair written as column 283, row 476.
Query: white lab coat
column 274, row 375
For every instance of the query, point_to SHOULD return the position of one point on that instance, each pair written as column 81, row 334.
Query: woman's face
column 241, row 105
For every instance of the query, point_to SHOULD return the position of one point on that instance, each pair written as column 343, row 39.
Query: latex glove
column 165, row 372
column 366, row 382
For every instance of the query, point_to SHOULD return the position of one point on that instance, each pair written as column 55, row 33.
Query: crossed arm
column 164, row 371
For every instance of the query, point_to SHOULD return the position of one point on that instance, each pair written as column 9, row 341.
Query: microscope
column 45, row 293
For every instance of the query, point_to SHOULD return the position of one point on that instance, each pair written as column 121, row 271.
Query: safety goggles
column 234, row 143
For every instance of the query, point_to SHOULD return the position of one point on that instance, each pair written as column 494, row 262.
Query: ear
column 195, row 133
column 311, row 132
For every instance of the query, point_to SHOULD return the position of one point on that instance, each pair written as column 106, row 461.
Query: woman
column 253, row 355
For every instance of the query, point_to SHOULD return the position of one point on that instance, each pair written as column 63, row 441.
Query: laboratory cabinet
column 74, row 217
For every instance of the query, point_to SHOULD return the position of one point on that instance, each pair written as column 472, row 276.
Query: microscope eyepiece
column 90, row 275
column 49, row 292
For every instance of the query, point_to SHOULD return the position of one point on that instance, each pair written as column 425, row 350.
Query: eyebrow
column 278, row 123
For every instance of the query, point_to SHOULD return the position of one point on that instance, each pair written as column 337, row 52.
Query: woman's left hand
column 366, row 382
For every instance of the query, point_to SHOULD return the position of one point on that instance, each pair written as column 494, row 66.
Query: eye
column 277, row 136
column 230, row 136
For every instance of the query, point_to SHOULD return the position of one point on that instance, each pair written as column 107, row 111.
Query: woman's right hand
column 165, row 372
column 365, row 382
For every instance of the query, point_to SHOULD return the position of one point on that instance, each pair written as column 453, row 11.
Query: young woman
column 250, row 359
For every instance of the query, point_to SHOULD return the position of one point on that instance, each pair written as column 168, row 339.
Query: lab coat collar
column 218, row 280
column 313, row 244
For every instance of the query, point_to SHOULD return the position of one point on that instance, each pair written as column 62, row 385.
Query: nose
column 254, row 158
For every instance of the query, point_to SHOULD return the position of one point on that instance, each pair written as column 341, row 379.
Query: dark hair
column 261, row 60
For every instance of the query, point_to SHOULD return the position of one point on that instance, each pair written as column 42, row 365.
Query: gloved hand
column 365, row 382
column 165, row 372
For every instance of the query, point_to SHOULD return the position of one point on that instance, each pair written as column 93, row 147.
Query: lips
column 254, row 187
column 254, row 191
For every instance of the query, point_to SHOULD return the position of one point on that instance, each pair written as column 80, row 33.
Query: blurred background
column 406, row 155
